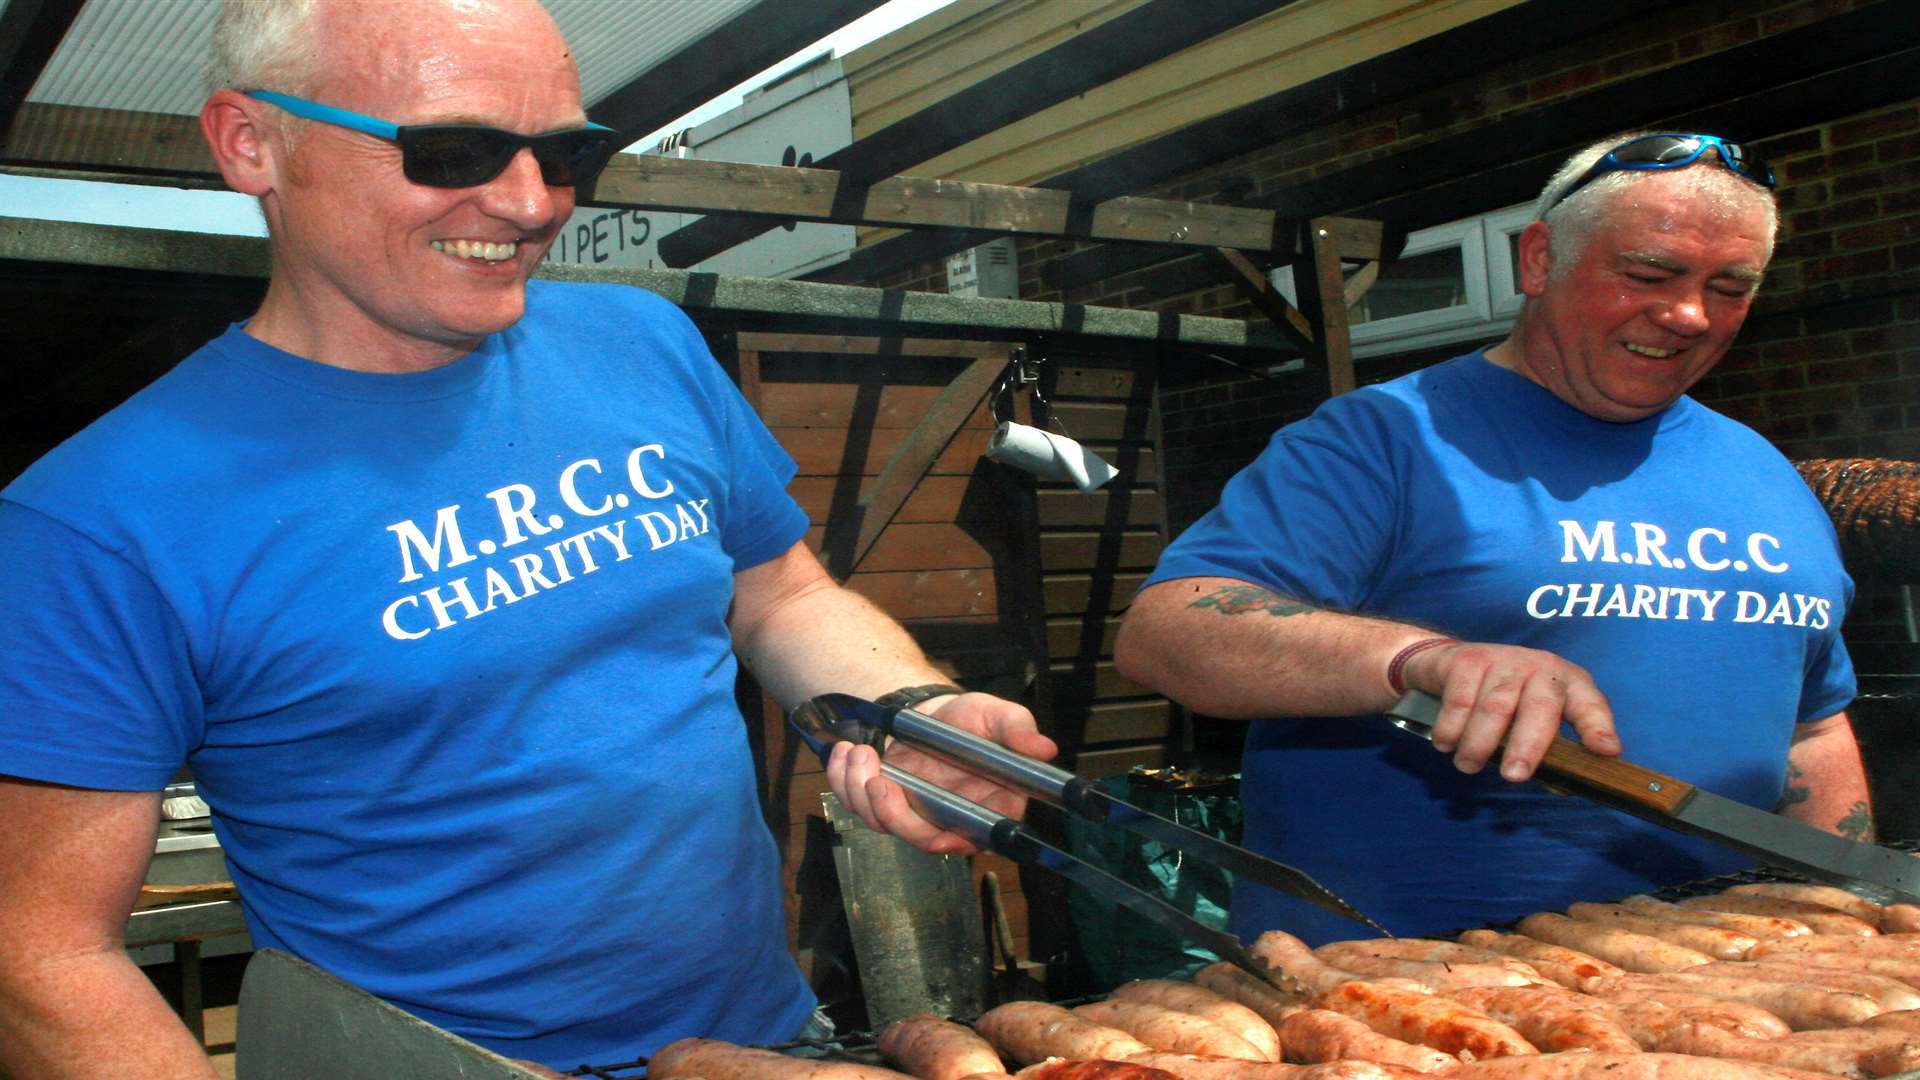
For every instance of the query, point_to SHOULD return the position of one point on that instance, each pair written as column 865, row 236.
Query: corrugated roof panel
column 148, row 55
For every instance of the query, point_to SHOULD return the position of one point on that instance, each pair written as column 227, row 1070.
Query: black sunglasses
column 1672, row 151
column 465, row 155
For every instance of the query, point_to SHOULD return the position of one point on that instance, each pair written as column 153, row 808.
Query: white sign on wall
column 802, row 118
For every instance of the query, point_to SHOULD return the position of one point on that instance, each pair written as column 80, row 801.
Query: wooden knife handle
column 1615, row 777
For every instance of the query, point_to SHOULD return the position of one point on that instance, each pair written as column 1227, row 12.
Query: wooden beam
column 758, row 37
column 1542, row 135
column 109, row 140
column 1156, row 29
column 1322, row 293
column 1404, row 72
column 30, row 33
column 778, row 192
column 1259, row 290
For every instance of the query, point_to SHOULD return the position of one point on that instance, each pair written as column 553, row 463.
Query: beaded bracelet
column 1396, row 668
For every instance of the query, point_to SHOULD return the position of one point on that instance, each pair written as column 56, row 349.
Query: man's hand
column 1490, row 694
column 854, row 771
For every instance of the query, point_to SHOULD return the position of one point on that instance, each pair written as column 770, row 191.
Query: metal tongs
column 832, row 718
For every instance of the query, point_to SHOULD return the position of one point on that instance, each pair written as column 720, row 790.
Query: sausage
column 711, row 1059
column 1358, row 956
column 1764, row 927
column 1030, row 1031
column 1900, row 1020
column 1434, row 951
column 1823, row 919
column 1801, row 1006
column 1553, row 1018
column 1211, row 1067
column 1716, row 941
column 1634, row 952
column 1897, row 948
column 1357, row 1070
column 1568, row 967
column 933, row 1048
column 1706, row 1040
column 1204, row 1003
column 1907, row 971
column 1277, row 948
column 1063, row 1069
column 1825, row 895
column 1162, row 1028
column 1612, row 1067
column 1438, row 1022
column 1320, row 1035
column 1649, row 1022
column 1900, row 919
column 1263, row 998
column 1892, row 994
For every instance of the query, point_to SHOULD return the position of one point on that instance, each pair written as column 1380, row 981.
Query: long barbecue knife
column 1680, row 806
column 856, row 719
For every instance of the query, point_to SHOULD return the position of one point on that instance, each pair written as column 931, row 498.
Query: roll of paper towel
column 1049, row 456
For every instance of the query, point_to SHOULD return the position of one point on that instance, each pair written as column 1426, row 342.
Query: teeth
column 1648, row 350
column 476, row 249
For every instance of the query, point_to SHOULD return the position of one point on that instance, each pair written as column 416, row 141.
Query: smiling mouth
column 477, row 249
column 1649, row 351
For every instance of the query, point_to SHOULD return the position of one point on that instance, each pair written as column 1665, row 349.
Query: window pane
column 1431, row 282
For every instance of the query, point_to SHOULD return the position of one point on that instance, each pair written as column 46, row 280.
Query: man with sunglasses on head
column 1545, row 533
column 436, row 576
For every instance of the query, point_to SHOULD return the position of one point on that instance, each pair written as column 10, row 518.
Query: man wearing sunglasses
column 437, row 578
column 1547, row 532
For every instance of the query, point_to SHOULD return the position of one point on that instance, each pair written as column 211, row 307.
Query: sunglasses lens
column 1658, row 150
column 572, row 157
column 456, row 157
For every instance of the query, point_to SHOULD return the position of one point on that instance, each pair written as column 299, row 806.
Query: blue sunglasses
column 1672, row 151
column 464, row 155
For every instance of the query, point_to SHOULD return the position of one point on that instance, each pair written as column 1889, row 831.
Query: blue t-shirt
column 1679, row 558
column 448, row 655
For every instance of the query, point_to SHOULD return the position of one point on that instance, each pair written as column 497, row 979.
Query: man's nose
column 1684, row 314
column 521, row 195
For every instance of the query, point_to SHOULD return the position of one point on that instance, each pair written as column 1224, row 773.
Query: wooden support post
column 1323, row 290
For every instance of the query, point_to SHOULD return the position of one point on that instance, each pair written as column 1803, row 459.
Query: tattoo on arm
column 1796, row 791
column 1857, row 825
column 1240, row 599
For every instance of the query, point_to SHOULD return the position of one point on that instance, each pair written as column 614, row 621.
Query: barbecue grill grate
column 861, row 1047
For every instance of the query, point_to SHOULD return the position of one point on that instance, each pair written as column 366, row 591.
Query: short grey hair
column 266, row 45
column 1573, row 219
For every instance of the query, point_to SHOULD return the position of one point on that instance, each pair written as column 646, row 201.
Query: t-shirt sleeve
column 1830, row 683
column 1314, row 517
column 97, row 687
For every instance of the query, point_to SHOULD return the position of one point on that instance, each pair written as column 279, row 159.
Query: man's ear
column 233, row 125
column 1536, row 259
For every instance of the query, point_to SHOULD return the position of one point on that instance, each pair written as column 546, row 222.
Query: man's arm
column 72, row 1004
column 1232, row 649
column 801, row 634
column 1826, row 783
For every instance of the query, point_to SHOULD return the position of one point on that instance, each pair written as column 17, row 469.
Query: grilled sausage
column 1716, row 941
column 1359, row 956
column 1901, row 1020
column 1092, row 1070
column 1438, row 1022
column 1823, row 919
column 1031, row 1031
column 1764, row 927
column 1825, row 895
column 1612, row 1067
column 1649, row 1022
column 711, row 1059
column 1211, row 1067
column 1901, row 947
column 1900, row 919
column 1204, row 1003
column 1434, row 951
column 1892, row 994
column 1634, row 952
column 1282, row 950
column 1803, row 1007
column 1553, row 1018
column 1320, row 1035
column 1893, row 967
column 1162, row 1028
column 1229, row 981
column 1568, row 967
column 933, row 1048
column 1707, row 1040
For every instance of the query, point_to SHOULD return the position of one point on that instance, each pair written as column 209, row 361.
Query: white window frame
column 1491, row 300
